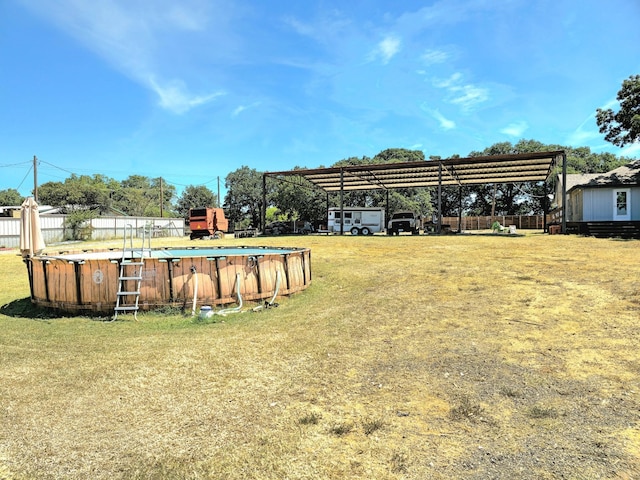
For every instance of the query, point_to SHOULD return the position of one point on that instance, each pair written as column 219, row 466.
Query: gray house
column 605, row 205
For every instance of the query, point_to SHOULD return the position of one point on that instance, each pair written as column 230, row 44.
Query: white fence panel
column 53, row 229
column 9, row 232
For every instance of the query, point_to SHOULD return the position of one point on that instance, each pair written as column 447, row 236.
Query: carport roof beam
column 514, row 168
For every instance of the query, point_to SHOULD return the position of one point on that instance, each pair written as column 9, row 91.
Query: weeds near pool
column 310, row 419
column 166, row 310
column 542, row 412
column 371, row 425
column 340, row 429
column 398, row 463
column 466, row 409
column 510, row 392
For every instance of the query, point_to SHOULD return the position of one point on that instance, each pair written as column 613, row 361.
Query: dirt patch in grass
column 407, row 358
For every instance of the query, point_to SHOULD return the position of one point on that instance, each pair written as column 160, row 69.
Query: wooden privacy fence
column 523, row 222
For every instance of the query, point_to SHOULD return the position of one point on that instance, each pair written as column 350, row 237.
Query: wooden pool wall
column 90, row 285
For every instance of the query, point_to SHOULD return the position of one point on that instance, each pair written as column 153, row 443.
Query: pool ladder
column 131, row 266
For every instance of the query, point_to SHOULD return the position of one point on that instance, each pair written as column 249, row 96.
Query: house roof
column 454, row 171
column 575, row 179
column 628, row 174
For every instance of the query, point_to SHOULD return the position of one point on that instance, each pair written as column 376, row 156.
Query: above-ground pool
column 88, row 281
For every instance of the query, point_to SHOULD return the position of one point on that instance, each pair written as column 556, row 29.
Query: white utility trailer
column 357, row 220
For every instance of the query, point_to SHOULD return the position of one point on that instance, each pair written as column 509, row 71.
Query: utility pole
column 219, row 192
column 35, row 178
column 161, row 199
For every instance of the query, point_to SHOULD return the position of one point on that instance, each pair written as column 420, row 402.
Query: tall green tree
column 298, row 199
column 243, row 201
column 195, row 196
column 622, row 127
column 78, row 192
column 399, row 155
column 503, row 198
column 415, row 199
column 583, row 160
column 141, row 196
column 10, row 197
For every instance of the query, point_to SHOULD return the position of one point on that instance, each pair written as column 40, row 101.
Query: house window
column 621, row 205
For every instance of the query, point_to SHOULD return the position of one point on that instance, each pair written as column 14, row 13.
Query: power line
column 183, row 185
column 55, row 166
column 106, row 173
column 15, row 164
column 25, row 177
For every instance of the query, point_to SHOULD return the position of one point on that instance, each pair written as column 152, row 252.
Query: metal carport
column 522, row 167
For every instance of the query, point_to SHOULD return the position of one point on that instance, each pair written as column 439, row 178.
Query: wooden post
column 341, row 201
column 35, row 178
column 263, row 216
column 459, row 208
column 564, row 193
column 161, row 199
column 439, row 224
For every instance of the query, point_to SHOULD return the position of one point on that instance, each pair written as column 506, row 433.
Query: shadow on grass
column 23, row 308
column 471, row 233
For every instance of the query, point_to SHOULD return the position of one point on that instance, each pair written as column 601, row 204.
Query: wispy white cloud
column 182, row 16
column 444, row 122
column 610, row 104
column 241, row 108
column 175, row 97
column 515, row 129
column 632, row 150
column 331, row 28
column 450, row 82
column 584, row 133
column 431, row 57
column 466, row 96
column 387, row 49
column 581, row 137
column 132, row 36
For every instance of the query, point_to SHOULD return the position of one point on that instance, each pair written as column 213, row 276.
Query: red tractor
column 207, row 223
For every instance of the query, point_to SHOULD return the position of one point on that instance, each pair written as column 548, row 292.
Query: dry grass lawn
column 408, row 357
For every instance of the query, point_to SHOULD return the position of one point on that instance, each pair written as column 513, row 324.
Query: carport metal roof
column 454, row 171
column 522, row 167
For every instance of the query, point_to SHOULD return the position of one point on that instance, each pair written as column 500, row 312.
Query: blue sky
column 195, row 89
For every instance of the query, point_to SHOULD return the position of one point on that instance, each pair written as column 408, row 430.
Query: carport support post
column 545, row 208
column 439, row 225
column 564, row 192
column 459, row 208
column 263, row 216
column 327, row 211
column 387, row 213
column 341, row 201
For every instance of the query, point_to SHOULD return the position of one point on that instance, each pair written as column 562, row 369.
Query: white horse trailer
column 357, row 220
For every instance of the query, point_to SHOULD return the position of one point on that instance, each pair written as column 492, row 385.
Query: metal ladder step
column 130, row 258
